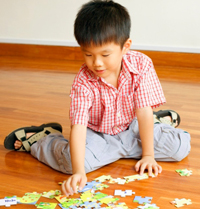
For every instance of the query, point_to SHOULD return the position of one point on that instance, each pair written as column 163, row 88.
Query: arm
column 77, row 150
column 146, row 128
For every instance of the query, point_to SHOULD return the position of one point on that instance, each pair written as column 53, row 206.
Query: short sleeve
column 81, row 101
column 148, row 90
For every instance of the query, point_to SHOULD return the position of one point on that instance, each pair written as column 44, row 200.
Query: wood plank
column 34, row 91
column 173, row 59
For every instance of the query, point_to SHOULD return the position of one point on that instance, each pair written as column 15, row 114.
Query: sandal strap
column 27, row 143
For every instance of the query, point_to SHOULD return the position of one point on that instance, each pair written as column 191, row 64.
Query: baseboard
column 174, row 59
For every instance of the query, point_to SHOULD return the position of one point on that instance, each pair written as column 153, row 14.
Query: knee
column 172, row 143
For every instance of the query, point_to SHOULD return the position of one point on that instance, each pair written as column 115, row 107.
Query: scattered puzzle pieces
column 181, row 202
column 184, row 172
column 141, row 200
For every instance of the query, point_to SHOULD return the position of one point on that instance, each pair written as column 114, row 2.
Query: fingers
column 153, row 168
column 73, row 183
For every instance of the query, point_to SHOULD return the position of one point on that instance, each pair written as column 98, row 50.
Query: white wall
column 165, row 25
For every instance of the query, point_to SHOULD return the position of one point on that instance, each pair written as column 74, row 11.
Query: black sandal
column 20, row 134
column 163, row 113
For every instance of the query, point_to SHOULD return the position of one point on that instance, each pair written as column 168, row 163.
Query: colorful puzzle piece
column 109, row 199
column 90, row 204
column 142, row 200
column 46, row 205
column 181, row 202
column 29, row 198
column 61, row 198
column 184, row 172
column 137, row 177
column 123, row 193
column 103, row 178
column 148, row 206
column 51, row 194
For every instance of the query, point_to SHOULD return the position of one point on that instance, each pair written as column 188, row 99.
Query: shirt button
column 118, row 114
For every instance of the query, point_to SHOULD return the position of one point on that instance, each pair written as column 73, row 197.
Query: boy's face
column 105, row 61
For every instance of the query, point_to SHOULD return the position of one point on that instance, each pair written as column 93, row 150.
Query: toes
column 17, row 144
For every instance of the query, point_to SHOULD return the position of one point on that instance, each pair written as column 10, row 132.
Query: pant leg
column 170, row 144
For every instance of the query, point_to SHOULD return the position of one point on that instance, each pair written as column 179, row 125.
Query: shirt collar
column 128, row 65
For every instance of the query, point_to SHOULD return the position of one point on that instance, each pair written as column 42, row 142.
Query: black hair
column 102, row 21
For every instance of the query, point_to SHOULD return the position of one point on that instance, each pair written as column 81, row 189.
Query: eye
column 105, row 55
column 88, row 55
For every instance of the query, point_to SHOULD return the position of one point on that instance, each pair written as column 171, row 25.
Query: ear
column 127, row 46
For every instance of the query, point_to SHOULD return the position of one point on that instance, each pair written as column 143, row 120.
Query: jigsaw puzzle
column 184, row 172
column 142, row 200
column 181, row 202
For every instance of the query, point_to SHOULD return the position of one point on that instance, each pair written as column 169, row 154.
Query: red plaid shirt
column 103, row 108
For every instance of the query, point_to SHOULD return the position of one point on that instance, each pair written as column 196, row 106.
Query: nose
column 97, row 62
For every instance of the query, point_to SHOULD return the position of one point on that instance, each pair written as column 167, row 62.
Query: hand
column 69, row 187
column 148, row 162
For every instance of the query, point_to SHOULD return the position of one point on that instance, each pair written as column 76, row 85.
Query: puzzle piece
column 90, row 185
column 71, row 202
column 137, row 177
column 92, row 204
column 109, row 199
column 8, row 201
column 123, row 193
column 51, row 194
column 141, row 200
column 29, row 198
column 61, row 198
column 46, row 205
column 181, row 202
column 148, row 206
column 184, row 172
column 118, row 181
column 103, row 178
column 87, row 196
column 99, row 195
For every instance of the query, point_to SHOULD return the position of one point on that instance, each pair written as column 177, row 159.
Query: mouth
column 99, row 71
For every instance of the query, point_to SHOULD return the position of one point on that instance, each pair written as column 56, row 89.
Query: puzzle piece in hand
column 51, row 194
column 89, row 186
column 46, row 205
column 148, row 206
column 8, row 201
column 123, row 193
column 29, row 198
column 181, row 202
column 184, row 172
column 103, row 178
column 141, row 200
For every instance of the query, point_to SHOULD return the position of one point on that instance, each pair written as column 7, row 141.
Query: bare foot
column 18, row 143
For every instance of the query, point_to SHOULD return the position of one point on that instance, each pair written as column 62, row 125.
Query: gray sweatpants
column 170, row 144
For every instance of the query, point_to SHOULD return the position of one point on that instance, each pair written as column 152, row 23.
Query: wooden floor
column 33, row 92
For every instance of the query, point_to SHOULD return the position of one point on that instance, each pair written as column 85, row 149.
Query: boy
column 111, row 106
